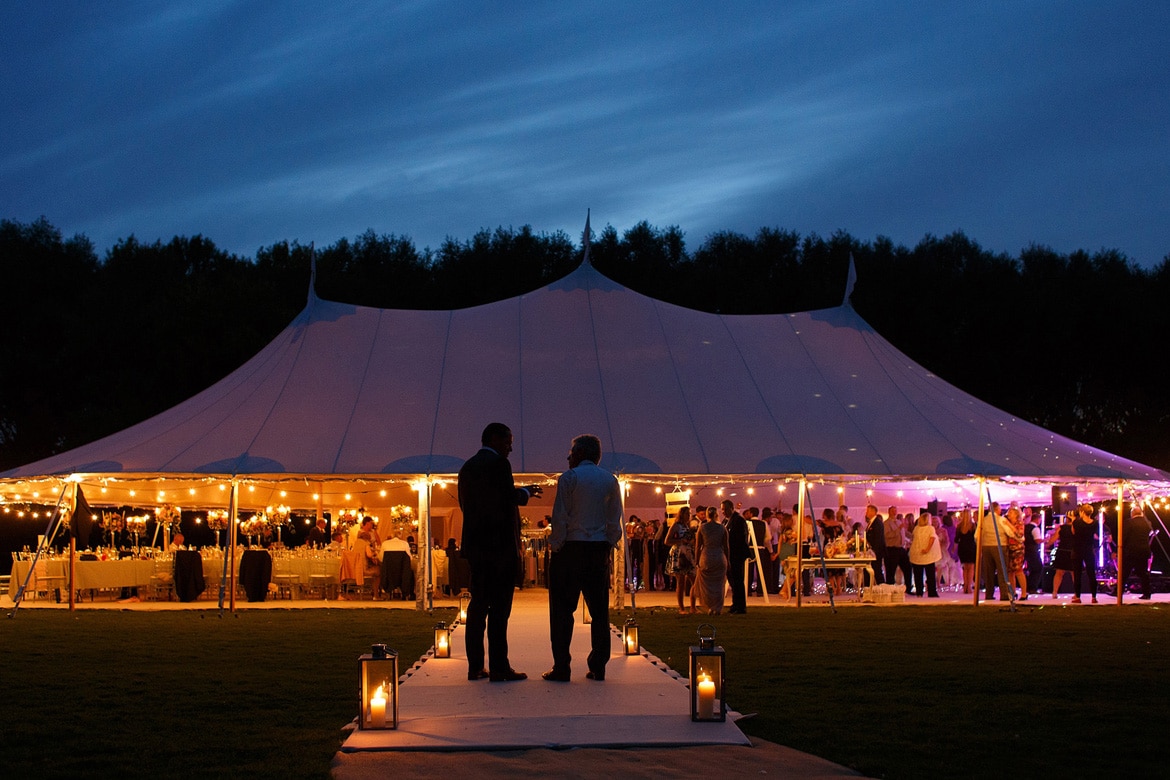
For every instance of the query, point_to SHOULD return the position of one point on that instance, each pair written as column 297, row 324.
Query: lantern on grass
column 464, row 603
column 442, row 640
column 379, row 702
column 630, row 637
column 708, row 702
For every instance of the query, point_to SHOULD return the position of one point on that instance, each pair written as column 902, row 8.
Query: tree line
column 94, row 344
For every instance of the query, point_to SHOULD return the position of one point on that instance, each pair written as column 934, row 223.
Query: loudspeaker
column 936, row 508
column 1064, row 500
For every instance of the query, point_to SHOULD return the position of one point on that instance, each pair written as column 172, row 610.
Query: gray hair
column 588, row 447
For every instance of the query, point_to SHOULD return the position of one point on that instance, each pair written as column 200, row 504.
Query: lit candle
column 630, row 644
column 378, row 709
column 442, row 645
column 706, row 697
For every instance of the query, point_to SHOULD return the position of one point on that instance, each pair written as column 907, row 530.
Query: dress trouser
column 993, row 572
column 931, row 584
column 898, row 558
column 735, row 569
column 579, row 570
column 493, row 582
column 1135, row 561
column 1085, row 560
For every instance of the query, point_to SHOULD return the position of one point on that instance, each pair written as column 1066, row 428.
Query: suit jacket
column 737, row 538
column 490, row 502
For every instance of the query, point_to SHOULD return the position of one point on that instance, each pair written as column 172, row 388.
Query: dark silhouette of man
column 738, row 553
column 490, row 502
column 586, row 525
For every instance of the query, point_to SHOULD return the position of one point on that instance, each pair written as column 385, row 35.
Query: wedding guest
column 925, row 552
column 965, row 547
column 1135, row 551
column 680, row 540
column 994, row 533
column 1016, row 576
column 896, row 557
column 1064, row 561
column 1033, row 565
column 711, row 550
column 586, row 526
column 875, row 539
column 1084, row 552
column 317, row 536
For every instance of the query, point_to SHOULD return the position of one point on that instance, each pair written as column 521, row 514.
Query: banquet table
column 859, row 564
column 89, row 575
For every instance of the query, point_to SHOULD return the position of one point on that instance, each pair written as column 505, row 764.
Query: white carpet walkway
column 640, row 703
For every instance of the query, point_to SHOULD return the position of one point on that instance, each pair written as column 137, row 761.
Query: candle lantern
column 464, row 603
column 708, row 702
column 630, row 637
column 379, row 702
column 442, row 640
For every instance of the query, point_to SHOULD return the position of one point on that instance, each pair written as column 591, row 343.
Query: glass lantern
column 630, row 637
column 379, row 690
column 442, row 640
column 708, row 702
column 464, row 603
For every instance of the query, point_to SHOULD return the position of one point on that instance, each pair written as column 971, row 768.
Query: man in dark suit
column 738, row 553
column 317, row 536
column 490, row 503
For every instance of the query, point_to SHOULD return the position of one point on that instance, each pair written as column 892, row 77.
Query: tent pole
column 233, row 508
column 424, row 581
column 50, row 530
column 978, row 546
column 1120, row 541
column 621, row 561
column 799, row 584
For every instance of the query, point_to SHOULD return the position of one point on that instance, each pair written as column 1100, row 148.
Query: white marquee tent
column 355, row 406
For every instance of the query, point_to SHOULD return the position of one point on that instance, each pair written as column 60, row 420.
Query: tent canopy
column 356, row 394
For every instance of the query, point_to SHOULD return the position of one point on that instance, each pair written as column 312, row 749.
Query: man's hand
column 534, row 490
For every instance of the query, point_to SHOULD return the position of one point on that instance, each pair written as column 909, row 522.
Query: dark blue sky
column 251, row 123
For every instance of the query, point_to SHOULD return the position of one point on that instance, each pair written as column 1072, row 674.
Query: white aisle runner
column 638, row 704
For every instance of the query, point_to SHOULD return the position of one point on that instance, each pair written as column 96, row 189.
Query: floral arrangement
column 348, row 518
column 168, row 514
column 217, row 519
column 402, row 519
column 111, row 519
column 256, row 525
column 136, row 524
column 278, row 515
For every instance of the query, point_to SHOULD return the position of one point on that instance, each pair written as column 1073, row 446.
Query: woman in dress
column 1063, row 562
column 965, row 547
column 680, row 562
column 784, row 550
column 925, row 552
column 1015, row 551
column 712, row 551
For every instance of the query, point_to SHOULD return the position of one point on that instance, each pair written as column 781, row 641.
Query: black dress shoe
column 509, row 676
column 600, row 677
column 482, row 674
column 556, row 675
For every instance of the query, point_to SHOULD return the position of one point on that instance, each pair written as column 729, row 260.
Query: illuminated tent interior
column 353, row 406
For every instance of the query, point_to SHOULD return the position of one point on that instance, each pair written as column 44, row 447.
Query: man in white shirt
column 994, row 532
column 586, row 525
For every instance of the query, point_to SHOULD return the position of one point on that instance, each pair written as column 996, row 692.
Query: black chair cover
column 256, row 573
column 189, row 584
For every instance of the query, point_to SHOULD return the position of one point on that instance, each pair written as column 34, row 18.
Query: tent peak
column 850, row 282
column 585, row 260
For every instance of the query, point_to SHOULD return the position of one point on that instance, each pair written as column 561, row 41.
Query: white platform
column 641, row 703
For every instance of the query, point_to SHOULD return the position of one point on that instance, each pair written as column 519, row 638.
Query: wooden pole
column 1120, row 541
column 978, row 544
column 233, row 508
column 800, row 542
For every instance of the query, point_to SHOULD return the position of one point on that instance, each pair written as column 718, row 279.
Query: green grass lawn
column 947, row 691
column 940, row 692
